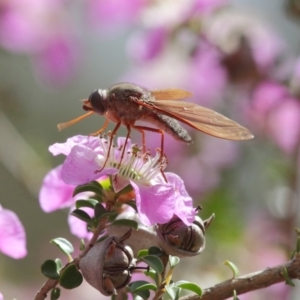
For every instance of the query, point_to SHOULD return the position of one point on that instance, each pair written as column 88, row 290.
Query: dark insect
column 126, row 103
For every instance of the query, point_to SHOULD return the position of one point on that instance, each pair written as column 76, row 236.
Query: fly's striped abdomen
column 169, row 125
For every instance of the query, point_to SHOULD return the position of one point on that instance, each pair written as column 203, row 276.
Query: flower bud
column 176, row 238
column 107, row 266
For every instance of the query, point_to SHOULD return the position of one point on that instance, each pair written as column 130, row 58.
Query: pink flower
column 106, row 14
column 55, row 193
column 147, row 45
column 157, row 200
column 274, row 111
column 12, row 235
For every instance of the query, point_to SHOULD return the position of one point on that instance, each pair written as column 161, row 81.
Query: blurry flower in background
column 276, row 113
column 42, row 30
column 12, row 235
column 108, row 15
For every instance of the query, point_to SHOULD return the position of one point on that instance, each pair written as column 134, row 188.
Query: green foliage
column 93, row 186
column 233, row 268
column 173, row 261
column 190, row 286
column 49, row 269
column 64, row 245
column 154, row 262
column 287, row 278
column 55, row 293
column 126, row 222
column 70, row 277
column 82, row 215
column 141, row 288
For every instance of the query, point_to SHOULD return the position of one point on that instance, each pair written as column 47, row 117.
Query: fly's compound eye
column 98, row 101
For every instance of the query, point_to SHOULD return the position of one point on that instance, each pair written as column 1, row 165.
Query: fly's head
column 97, row 102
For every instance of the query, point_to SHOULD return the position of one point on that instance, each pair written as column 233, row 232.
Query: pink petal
column 55, row 193
column 155, row 203
column 12, row 235
column 65, row 148
column 80, row 166
column 183, row 202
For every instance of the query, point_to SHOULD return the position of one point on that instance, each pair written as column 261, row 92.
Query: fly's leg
column 124, row 146
column 109, row 146
column 161, row 132
column 101, row 129
column 141, row 129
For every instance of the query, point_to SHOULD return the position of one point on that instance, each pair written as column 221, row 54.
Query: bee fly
column 126, row 103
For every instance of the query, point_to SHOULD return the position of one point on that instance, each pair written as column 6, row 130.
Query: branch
column 250, row 282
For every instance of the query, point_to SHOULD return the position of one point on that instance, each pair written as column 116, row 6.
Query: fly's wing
column 202, row 119
column 171, row 94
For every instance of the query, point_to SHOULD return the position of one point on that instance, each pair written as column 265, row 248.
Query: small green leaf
column 173, row 261
column 287, row 278
column 126, row 222
column 58, row 264
column 132, row 204
column 82, row 245
column 86, row 203
column 143, row 252
column 154, row 262
column 153, row 250
column 55, row 293
column 233, row 268
column 64, row 245
column 128, row 188
column 81, row 215
column 49, row 269
column 93, row 186
column 190, row 286
column 141, row 285
column 152, row 274
column 141, row 295
column 99, row 210
column 235, row 295
column 173, row 292
column 70, row 277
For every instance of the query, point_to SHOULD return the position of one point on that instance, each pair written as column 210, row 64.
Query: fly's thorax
column 122, row 102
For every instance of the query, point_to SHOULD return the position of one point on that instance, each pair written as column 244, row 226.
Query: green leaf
column 233, row 268
column 86, row 203
column 70, row 277
column 55, row 293
column 99, row 210
column 234, row 295
column 64, row 245
column 49, row 269
column 152, row 274
column 81, row 215
column 153, row 250
column 141, row 295
column 287, row 278
column 126, row 222
column 142, row 285
column 93, row 186
column 190, row 286
column 82, row 245
column 143, row 252
column 154, row 262
column 173, row 261
column 58, row 264
column 173, row 292
column 128, row 188
column 132, row 204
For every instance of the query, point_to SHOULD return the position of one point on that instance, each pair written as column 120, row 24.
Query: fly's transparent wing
column 171, row 94
column 202, row 119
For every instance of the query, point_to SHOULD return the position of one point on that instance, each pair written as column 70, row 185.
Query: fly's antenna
column 62, row 126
